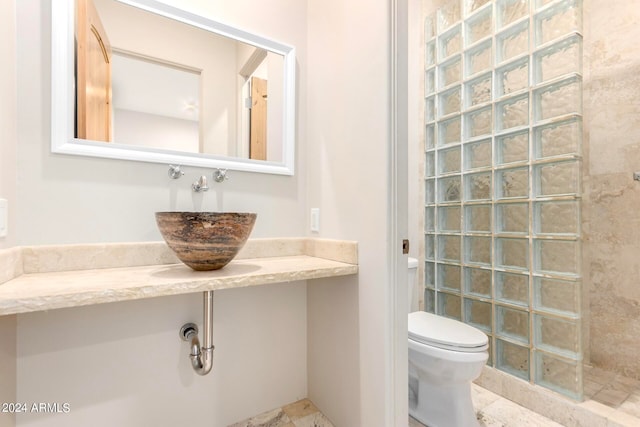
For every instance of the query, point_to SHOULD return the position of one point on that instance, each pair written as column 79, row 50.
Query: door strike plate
column 405, row 246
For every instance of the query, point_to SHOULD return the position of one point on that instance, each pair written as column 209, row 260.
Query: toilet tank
column 412, row 264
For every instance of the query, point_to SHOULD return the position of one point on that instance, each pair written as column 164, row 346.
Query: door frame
column 398, row 414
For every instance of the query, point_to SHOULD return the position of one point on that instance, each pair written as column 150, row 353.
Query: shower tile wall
column 503, row 130
column 611, row 220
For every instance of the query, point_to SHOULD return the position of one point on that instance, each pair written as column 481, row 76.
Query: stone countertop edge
column 40, row 278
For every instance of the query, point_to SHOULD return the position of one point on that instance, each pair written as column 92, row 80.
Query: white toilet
column 445, row 355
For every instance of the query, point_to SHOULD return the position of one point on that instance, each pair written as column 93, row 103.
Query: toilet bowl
column 445, row 355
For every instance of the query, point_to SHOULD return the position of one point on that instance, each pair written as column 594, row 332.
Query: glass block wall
column 502, row 180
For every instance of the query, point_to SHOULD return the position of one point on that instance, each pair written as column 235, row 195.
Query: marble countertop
column 40, row 281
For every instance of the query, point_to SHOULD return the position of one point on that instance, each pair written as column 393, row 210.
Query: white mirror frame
column 63, row 89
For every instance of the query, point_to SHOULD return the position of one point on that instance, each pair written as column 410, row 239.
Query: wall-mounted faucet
column 175, row 172
column 200, row 185
column 220, row 175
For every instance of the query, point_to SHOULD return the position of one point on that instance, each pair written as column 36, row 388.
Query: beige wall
column 8, row 117
column 7, row 367
column 122, row 363
column 71, row 199
column 8, row 145
column 611, row 212
column 348, row 176
column 103, row 359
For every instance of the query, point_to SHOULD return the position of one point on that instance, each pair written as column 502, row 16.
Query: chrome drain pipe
column 201, row 356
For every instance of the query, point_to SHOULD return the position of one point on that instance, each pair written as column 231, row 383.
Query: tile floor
column 495, row 411
column 302, row 413
column 608, row 388
column 492, row 410
column 611, row 389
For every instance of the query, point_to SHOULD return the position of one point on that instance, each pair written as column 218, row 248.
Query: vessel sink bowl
column 205, row 240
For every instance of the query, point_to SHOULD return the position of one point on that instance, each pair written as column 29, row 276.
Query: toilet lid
column 442, row 332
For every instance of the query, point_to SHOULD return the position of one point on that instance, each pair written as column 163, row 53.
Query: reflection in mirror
column 155, row 104
column 155, row 86
column 155, row 83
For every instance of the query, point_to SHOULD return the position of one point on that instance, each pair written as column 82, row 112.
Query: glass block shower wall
column 502, row 180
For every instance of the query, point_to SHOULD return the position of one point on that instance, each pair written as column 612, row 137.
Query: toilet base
column 444, row 405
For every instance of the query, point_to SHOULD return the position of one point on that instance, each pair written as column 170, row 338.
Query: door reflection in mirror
column 93, row 73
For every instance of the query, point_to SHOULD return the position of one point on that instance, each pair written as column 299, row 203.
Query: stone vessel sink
column 205, row 240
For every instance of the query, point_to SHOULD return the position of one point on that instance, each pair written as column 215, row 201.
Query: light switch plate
column 4, row 217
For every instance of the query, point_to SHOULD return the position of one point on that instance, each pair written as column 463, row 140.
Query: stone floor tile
column 621, row 382
column 488, row 421
column 482, row 397
column 611, row 396
column 275, row 418
column 631, row 405
column 300, row 409
column 313, row 420
column 503, row 412
column 591, row 388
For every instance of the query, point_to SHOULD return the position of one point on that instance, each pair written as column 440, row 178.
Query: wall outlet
column 315, row 220
column 4, row 217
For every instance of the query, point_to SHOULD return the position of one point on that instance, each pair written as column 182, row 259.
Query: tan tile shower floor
column 611, row 389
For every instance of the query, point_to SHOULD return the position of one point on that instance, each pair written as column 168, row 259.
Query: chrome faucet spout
column 200, row 185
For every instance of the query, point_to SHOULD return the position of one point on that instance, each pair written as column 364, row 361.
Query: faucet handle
column 175, row 172
column 220, row 175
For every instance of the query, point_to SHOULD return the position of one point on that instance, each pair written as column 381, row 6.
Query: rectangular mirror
column 141, row 80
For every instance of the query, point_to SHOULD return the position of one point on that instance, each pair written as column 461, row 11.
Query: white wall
column 111, row 374
column 8, row 146
column 154, row 131
column 123, row 364
column 349, row 132
column 8, row 120
column 107, row 370
column 71, row 199
column 8, row 367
